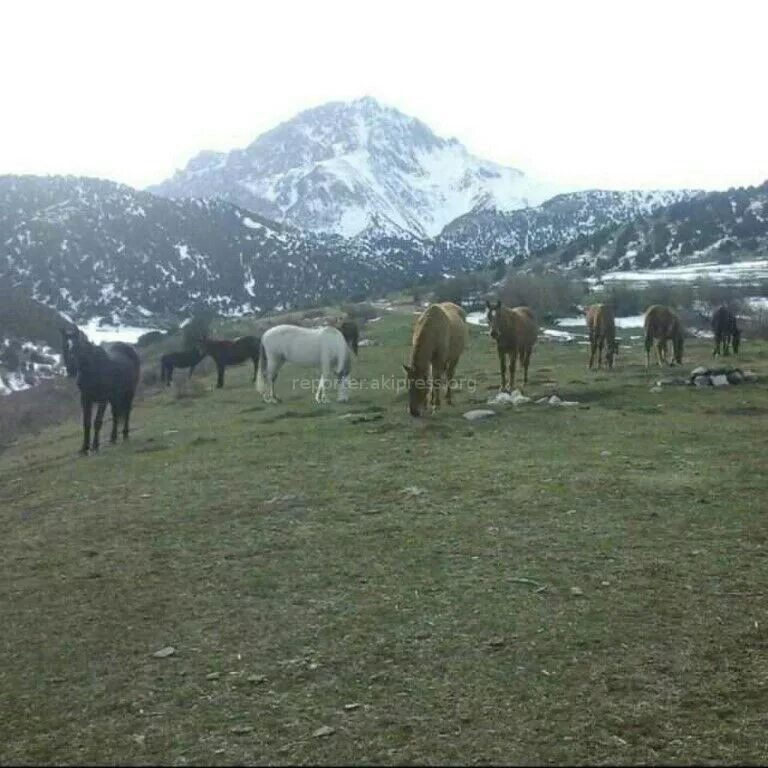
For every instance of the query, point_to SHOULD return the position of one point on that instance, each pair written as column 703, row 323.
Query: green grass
column 564, row 586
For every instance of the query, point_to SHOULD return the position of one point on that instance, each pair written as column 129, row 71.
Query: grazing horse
column 662, row 325
column 187, row 359
column 602, row 334
column 439, row 337
column 515, row 333
column 351, row 332
column 104, row 375
column 325, row 347
column 726, row 331
column 226, row 353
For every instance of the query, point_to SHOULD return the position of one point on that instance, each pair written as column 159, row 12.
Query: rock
column 506, row 398
column 703, row 381
column 352, row 707
column 655, row 389
column 750, row 376
column 735, row 377
column 257, row 679
column 568, row 403
column 554, row 400
column 721, row 380
column 213, row 676
column 577, row 591
column 413, row 490
column 479, row 413
column 164, row 653
column 604, row 454
column 240, row 730
column 323, row 731
column 542, row 401
column 700, row 371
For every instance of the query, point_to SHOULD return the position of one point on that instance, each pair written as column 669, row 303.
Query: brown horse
column 662, row 325
column 602, row 334
column 726, row 331
column 226, row 353
column 515, row 332
column 439, row 337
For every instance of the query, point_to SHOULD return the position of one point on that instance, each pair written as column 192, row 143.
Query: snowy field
column 101, row 333
column 741, row 272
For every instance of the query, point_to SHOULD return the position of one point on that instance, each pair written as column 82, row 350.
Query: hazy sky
column 614, row 94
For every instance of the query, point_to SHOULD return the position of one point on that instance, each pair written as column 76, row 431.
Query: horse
column 186, row 359
column 226, row 353
column 351, row 332
column 602, row 334
column 515, row 333
column 662, row 325
column 104, row 375
column 439, row 337
column 325, row 347
column 726, row 331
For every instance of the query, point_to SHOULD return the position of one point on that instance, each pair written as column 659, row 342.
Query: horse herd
column 110, row 375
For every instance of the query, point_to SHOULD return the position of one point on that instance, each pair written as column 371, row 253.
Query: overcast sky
column 588, row 94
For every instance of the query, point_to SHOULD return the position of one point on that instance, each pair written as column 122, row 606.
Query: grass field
column 553, row 585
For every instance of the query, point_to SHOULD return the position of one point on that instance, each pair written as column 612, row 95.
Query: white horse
column 325, row 347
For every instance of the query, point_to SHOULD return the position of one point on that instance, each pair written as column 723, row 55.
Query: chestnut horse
column 226, row 353
column 726, row 331
column 515, row 333
column 439, row 337
column 602, row 334
column 662, row 325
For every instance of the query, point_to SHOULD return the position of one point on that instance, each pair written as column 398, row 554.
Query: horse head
column 417, row 391
column 73, row 343
column 493, row 315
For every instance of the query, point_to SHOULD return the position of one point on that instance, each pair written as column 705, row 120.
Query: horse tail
column 261, row 370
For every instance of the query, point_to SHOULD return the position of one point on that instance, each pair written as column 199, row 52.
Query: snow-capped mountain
column 342, row 167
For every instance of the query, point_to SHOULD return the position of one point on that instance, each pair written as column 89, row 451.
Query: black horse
column 187, row 359
column 726, row 331
column 104, row 375
column 351, row 332
column 226, row 353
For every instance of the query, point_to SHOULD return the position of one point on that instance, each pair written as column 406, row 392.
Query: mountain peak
column 341, row 166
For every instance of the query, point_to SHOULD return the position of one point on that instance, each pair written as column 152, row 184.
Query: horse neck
column 421, row 351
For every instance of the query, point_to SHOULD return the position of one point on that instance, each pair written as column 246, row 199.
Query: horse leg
column 115, row 418
column 726, row 345
column 512, row 365
column 661, row 351
column 648, row 345
column 98, row 421
column 600, row 347
column 127, row 415
column 502, row 364
column 449, row 381
column 716, row 350
column 255, row 359
column 526, row 363
column 592, row 351
column 87, row 404
column 273, row 368
column 219, row 375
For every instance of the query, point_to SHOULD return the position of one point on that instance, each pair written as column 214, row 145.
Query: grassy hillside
column 344, row 584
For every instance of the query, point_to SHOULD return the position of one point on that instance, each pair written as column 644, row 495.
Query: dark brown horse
column 351, row 332
column 726, row 331
column 226, row 353
column 602, row 334
column 662, row 325
column 186, row 359
column 515, row 333
column 104, row 375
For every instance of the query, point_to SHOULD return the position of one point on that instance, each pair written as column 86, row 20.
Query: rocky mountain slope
column 489, row 234
column 30, row 341
column 716, row 226
column 342, row 167
column 91, row 247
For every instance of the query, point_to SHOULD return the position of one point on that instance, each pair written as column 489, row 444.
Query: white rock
column 479, row 413
column 721, row 380
column 554, row 400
